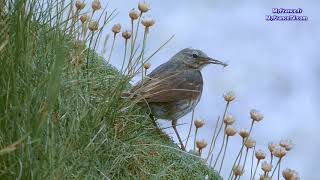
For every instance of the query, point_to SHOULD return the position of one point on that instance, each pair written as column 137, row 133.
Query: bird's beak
column 214, row 61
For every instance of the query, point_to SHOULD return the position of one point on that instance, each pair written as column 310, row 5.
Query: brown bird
column 174, row 88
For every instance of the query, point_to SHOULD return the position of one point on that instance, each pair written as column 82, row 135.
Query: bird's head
column 196, row 59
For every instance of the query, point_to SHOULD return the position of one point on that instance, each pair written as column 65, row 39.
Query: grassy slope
column 59, row 119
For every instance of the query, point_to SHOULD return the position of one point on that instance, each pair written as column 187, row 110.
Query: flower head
column 134, row 14
column 93, row 26
column 279, row 152
column 201, row 144
column 237, row 170
column 229, row 120
column 143, row 7
column 260, row 154
column 289, row 174
column 126, row 34
column 116, row 28
column 83, row 18
column 146, row 65
column 80, row 5
column 96, row 5
column 256, row 115
column 272, row 146
column 244, row 133
column 266, row 167
column 229, row 96
column 249, row 143
column 230, row 131
column 147, row 22
column 198, row 123
column 287, row 144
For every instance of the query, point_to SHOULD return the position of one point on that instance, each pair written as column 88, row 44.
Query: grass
column 61, row 115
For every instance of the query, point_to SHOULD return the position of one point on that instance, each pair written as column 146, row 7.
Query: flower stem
column 200, row 151
column 133, row 43
column 255, row 170
column 215, row 136
column 114, row 39
column 143, row 49
column 132, row 31
column 195, row 138
column 88, row 54
column 271, row 157
column 137, row 29
column 223, row 140
column 235, row 177
column 252, row 158
column 245, row 160
column 132, row 48
column 125, row 54
column 214, row 132
column 279, row 170
column 224, row 153
column 239, row 156
column 240, row 152
column 275, row 168
column 190, row 128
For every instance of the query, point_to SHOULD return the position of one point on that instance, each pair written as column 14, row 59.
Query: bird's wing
column 168, row 87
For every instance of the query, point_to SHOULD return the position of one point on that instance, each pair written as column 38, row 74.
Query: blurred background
column 273, row 67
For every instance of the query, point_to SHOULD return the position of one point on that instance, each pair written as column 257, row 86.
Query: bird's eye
column 194, row 55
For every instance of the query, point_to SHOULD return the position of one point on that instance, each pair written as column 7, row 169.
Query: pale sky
column 273, row 67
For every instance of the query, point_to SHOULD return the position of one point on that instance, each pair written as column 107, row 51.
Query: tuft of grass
column 61, row 115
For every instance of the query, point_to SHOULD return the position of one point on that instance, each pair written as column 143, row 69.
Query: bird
column 174, row 88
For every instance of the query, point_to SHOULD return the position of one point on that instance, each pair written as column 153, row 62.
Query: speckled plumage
column 174, row 88
column 179, row 93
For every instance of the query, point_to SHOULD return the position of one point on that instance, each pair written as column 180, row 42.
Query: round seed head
column 229, row 96
column 266, row 167
column 146, row 65
column 201, row 144
column 126, row 34
column 80, row 5
column 147, row 22
column 229, row 120
column 289, row 174
column 279, row 152
column 256, row 115
column 260, row 154
column 116, row 28
column 83, row 18
column 244, row 133
column 271, row 147
column 230, row 131
column 96, row 5
column 287, row 144
column 237, row 170
column 249, row 143
column 198, row 123
column 93, row 26
column 143, row 7
column 134, row 14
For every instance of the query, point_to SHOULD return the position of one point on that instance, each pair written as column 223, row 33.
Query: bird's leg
column 174, row 125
